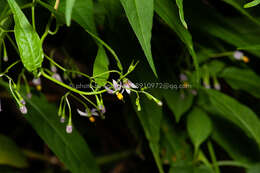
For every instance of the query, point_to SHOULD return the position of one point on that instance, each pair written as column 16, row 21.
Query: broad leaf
column 140, row 16
column 252, row 4
column 237, row 113
column 68, row 11
column 242, row 79
column 199, row 126
column 28, row 41
column 181, row 12
column 100, row 66
column 178, row 102
column 71, row 149
column 10, row 154
column 254, row 169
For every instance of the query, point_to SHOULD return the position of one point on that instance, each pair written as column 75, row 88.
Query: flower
column 57, row 77
column 37, row 82
column 217, row 86
column 238, row 55
column 128, row 85
column 29, row 95
column 102, row 109
column 183, row 77
column 89, row 114
column 62, row 119
column 69, row 128
column 53, row 69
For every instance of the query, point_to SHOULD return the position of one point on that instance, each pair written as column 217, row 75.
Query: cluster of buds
column 238, row 55
column 184, row 79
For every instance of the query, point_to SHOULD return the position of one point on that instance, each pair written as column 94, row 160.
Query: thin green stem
column 213, row 157
column 13, row 44
column 69, row 87
column 232, row 163
column 114, row 157
column 33, row 15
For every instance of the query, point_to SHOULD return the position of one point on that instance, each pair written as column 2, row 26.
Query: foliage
column 190, row 68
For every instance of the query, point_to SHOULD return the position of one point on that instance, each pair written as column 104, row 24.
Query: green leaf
column 10, row 154
column 242, row 79
column 237, row 113
column 177, row 103
column 252, row 4
column 167, row 11
column 71, row 149
column 254, row 169
column 140, row 16
column 181, row 12
column 28, row 41
column 68, row 11
column 199, row 126
column 150, row 117
column 100, row 66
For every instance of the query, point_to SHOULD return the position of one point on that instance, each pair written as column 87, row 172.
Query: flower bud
column 69, row 129
column 23, row 109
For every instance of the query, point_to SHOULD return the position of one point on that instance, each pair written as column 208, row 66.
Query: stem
column 114, row 157
column 33, row 15
column 213, row 157
column 69, row 87
column 232, row 163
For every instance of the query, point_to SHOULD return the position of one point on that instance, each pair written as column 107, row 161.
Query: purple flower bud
column 183, row 77
column 217, row 87
column 23, row 109
column 53, row 69
column 102, row 109
column 29, row 95
column 23, row 101
column 5, row 58
column 194, row 92
column 62, row 119
column 109, row 91
column 69, row 129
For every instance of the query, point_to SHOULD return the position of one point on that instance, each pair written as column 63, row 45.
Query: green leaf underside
column 68, row 11
column 252, row 4
column 150, row 117
column 199, row 126
column 243, row 79
column 28, row 41
column 10, row 153
column 71, row 149
column 181, row 12
column 237, row 113
column 100, row 66
column 140, row 16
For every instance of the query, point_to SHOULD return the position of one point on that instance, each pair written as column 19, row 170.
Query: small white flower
column 102, row 109
column 62, row 119
column 5, row 58
column 69, row 129
column 217, row 86
column 88, row 114
column 53, row 69
column 29, row 95
column 128, row 85
column 238, row 55
column 57, row 77
column 36, row 81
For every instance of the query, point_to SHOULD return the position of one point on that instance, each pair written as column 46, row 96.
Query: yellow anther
column 185, row 84
column 120, row 96
column 246, row 59
column 92, row 119
column 38, row 87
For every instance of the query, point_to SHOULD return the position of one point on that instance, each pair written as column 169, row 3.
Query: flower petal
column 128, row 91
column 85, row 114
column 109, row 91
column 131, row 84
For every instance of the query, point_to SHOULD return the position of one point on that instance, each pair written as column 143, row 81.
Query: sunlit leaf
column 140, row 16
column 100, row 66
column 68, row 11
column 181, row 12
column 10, row 154
column 252, row 4
column 28, row 41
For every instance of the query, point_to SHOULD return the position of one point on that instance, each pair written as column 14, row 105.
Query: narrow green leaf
column 10, row 154
column 140, row 16
column 71, row 149
column 167, row 11
column 177, row 103
column 242, row 79
column 68, row 11
column 181, row 12
column 100, row 66
column 150, row 117
column 237, row 113
column 28, row 41
column 252, row 4
column 254, row 169
column 199, row 126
